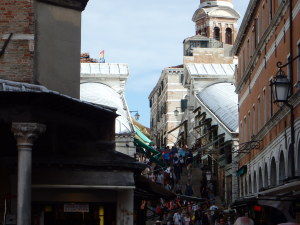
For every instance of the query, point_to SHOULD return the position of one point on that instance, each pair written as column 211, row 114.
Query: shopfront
column 74, row 214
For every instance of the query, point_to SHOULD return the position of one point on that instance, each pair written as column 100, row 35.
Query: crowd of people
column 200, row 208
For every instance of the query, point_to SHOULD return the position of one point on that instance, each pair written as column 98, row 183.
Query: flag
column 101, row 57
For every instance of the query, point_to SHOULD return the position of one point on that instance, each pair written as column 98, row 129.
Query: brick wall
column 17, row 62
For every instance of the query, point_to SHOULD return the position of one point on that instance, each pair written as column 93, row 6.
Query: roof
column 20, row 87
column 72, row 4
column 215, row 11
column 104, row 68
column 102, row 94
column 222, row 100
column 211, row 69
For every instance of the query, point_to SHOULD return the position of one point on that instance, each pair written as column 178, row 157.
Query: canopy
column 150, row 152
column 141, row 136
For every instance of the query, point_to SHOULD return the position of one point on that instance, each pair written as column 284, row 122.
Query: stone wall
column 17, row 61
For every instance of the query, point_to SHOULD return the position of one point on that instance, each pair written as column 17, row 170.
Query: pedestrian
column 189, row 189
column 178, row 218
column 244, row 221
column 160, row 178
column 187, row 219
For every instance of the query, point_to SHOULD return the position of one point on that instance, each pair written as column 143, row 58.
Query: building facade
column 167, row 96
column 104, row 84
column 269, row 157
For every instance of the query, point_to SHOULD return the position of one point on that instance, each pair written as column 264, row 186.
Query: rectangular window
column 183, row 104
column 270, row 11
column 288, row 72
column 245, row 129
column 258, row 114
column 263, row 20
column 298, row 62
column 264, row 106
column 253, row 40
column 241, row 131
column 253, row 120
column 248, row 50
column 257, row 30
column 244, row 64
column 249, row 127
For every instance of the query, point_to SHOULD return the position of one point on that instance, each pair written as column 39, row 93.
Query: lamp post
column 136, row 115
column 281, row 88
column 176, row 112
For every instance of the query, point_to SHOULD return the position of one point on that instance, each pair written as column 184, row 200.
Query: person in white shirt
column 178, row 218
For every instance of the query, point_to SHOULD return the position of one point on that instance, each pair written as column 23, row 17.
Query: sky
column 147, row 35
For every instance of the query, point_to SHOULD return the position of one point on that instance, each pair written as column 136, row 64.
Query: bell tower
column 216, row 19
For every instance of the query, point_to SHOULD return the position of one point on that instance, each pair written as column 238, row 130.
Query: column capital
column 27, row 133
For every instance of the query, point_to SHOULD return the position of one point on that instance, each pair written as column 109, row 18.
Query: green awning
column 141, row 135
column 150, row 152
column 241, row 171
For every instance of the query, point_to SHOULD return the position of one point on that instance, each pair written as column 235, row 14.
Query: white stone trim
column 19, row 36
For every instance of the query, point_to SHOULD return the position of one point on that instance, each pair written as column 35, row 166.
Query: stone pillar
column 25, row 134
column 125, row 207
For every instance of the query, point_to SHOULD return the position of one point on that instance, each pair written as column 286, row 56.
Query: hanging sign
column 76, row 207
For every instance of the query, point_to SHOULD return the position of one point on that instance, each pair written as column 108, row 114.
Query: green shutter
column 183, row 104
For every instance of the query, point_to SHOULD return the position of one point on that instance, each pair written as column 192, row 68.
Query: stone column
column 125, row 207
column 25, row 134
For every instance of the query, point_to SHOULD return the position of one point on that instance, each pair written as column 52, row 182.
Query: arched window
column 260, row 180
column 273, row 173
column 266, row 177
column 217, row 33
column 281, row 168
column 228, row 36
column 291, row 162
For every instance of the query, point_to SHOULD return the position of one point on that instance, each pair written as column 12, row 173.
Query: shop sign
column 76, row 207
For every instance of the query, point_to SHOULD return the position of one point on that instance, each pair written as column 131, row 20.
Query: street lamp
column 136, row 115
column 281, row 87
column 176, row 112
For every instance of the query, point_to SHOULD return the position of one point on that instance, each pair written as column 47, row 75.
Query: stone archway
column 260, row 180
column 281, row 168
column 266, row 177
column 291, row 162
column 250, row 184
column 298, row 160
column 273, row 173
column 254, row 182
